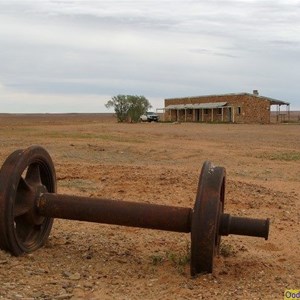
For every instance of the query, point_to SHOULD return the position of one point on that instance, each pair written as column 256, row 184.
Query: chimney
column 255, row 92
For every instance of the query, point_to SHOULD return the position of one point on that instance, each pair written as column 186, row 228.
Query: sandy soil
column 159, row 163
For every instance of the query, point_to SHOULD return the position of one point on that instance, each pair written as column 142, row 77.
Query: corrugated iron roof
column 272, row 100
column 209, row 105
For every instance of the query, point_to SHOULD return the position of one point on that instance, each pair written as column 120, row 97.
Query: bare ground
column 159, row 163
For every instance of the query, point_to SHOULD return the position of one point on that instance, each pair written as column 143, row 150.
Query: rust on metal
column 244, row 226
column 205, row 239
column 23, row 176
column 116, row 212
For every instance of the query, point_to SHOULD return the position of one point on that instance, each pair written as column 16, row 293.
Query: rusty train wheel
column 209, row 205
column 23, row 177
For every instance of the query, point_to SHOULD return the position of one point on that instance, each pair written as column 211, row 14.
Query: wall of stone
column 240, row 108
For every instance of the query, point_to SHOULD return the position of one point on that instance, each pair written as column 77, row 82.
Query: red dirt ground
column 158, row 163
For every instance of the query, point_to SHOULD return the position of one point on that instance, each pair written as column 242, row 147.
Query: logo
column 291, row 294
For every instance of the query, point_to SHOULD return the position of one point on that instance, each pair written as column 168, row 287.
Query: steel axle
column 29, row 202
column 142, row 215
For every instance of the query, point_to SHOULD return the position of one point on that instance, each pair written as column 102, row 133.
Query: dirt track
column 159, row 163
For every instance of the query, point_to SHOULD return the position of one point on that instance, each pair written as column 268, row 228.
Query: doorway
column 229, row 114
column 197, row 111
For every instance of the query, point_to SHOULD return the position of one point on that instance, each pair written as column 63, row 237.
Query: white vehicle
column 149, row 117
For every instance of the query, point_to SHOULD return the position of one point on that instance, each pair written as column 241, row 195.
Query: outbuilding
column 231, row 108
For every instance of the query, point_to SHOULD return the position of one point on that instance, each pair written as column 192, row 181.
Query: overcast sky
column 74, row 55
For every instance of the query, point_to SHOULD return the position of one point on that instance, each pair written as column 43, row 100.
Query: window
column 219, row 111
column 206, row 111
column 238, row 110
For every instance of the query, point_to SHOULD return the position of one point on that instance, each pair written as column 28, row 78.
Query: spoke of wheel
column 23, row 230
column 21, row 205
column 33, row 174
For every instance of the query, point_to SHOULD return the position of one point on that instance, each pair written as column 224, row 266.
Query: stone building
column 231, row 108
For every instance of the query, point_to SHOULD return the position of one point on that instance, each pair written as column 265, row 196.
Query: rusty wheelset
column 29, row 202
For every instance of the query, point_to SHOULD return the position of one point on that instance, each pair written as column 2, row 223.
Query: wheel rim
column 24, row 176
column 209, row 206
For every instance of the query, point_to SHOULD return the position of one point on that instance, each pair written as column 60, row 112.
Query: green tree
column 139, row 105
column 121, row 106
column 129, row 107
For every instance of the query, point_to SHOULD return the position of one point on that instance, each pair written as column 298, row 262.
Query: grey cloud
column 295, row 44
column 156, row 48
column 211, row 52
